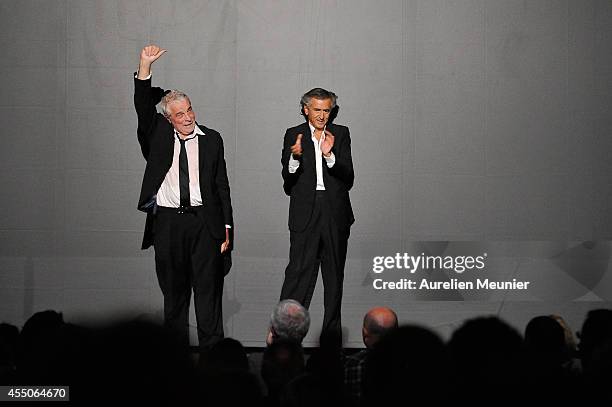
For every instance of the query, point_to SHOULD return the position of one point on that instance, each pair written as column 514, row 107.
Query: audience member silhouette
column 227, row 354
column 546, row 354
column 545, row 342
column 326, row 365
column 9, row 342
column 595, row 349
column 408, row 365
column 141, row 362
column 39, row 347
column 485, row 362
column 283, row 361
column 570, row 338
column 306, row 390
column 224, row 377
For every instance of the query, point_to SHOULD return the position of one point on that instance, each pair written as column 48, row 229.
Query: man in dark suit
column 318, row 174
column 186, row 195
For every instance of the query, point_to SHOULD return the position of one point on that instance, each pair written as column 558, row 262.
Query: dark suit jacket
column 301, row 185
column 156, row 138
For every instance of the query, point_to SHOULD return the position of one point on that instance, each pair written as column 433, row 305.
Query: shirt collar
column 196, row 132
column 312, row 130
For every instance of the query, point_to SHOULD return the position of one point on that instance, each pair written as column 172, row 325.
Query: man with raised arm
column 186, row 195
column 317, row 170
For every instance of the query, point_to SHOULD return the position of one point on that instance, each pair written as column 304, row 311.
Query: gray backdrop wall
column 477, row 126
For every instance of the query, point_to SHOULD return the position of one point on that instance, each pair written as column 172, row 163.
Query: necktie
column 184, row 175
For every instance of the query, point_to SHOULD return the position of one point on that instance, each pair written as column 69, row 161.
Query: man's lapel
column 202, row 143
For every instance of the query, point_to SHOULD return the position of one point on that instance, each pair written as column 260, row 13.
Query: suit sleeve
column 145, row 100
column 343, row 168
column 223, row 187
column 289, row 179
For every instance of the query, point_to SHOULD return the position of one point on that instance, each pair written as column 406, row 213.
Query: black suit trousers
column 188, row 258
column 322, row 244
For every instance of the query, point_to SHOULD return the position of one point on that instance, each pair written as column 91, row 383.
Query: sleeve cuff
column 145, row 79
column 293, row 164
column 331, row 160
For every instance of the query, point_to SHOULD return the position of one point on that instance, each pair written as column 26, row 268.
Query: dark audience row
column 486, row 361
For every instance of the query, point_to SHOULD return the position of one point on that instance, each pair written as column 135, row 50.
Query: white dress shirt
column 169, row 193
column 331, row 160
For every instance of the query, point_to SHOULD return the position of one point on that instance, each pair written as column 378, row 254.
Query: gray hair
column 290, row 320
column 169, row 97
column 318, row 93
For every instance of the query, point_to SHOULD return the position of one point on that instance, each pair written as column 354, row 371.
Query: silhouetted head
column 545, row 339
column 9, row 340
column 40, row 326
column 570, row 338
column 39, row 344
column 596, row 343
column 488, row 353
column 227, row 354
column 409, row 357
column 141, row 361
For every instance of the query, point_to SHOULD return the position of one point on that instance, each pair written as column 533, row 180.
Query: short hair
column 318, row 93
column 290, row 320
column 170, row 97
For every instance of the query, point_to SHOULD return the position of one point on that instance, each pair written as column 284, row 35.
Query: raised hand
column 148, row 55
column 327, row 144
column 296, row 149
